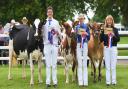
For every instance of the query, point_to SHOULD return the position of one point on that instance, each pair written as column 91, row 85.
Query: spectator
column 1, row 32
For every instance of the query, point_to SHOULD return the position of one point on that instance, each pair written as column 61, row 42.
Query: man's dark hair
column 50, row 8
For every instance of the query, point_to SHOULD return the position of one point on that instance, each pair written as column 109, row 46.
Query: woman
column 110, row 36
column 83, row 36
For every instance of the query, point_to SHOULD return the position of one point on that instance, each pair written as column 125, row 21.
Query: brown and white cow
column 95, row 50
column 68, row 50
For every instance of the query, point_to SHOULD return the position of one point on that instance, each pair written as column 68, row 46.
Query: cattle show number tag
column 80, row 31
column 108, row 30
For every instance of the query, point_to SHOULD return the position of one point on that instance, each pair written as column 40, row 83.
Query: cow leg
column 67, row 72
column 91, row 68
column 10, row 58
column 99, row 76
column 23, row 67
column 73, row 70
column 40, row 69
column 94, row 71
column 32, row 70
column 10, row 66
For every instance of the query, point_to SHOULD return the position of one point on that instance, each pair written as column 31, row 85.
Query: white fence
column 120, row 46
column 123, row 33
column 123, row 46
column 4, row 47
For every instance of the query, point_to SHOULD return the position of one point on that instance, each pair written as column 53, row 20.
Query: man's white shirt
column 54, row 24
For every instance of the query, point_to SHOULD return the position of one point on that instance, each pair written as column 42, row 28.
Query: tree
column 117, row 8
column 17, row 9
column 123, row 5
column 63, row 9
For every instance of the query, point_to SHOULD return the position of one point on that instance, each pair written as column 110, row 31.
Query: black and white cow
column 27, row 42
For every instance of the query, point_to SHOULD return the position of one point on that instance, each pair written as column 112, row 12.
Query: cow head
column 96, row 30
column 75, row 23
column 68, row 29
column 38, row 25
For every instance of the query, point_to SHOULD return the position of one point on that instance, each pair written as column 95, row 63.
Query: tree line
column 63, row 9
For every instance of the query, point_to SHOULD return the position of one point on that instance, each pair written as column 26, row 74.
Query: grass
column 19, row 83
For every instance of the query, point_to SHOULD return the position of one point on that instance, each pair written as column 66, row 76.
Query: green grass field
column 19, row 83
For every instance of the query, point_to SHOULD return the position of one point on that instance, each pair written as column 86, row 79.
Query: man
column 83, row 36
column 24, row 24
column 51, row 34
column 24, row 20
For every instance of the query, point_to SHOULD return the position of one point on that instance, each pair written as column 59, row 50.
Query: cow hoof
column 91, row 73
column 73, row 79
column 23, row 77
column 40, row 82
column 9, row 78
column 67, row 82
column 99, row 79
column 31, row 83
column 94, row 81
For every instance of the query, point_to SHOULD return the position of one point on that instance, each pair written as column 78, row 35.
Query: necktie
column 49, row 21
column 50, row 37
column 109, row 40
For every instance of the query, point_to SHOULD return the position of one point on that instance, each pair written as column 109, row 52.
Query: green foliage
column 117, row 8
column 104, row 8
column 19, row 8
column 63, row 9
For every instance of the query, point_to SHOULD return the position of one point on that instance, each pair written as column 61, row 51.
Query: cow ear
column 89, row 26
column 101, row 27
column 98, row 26
column 75, row 23
column 33, row 26
column 44, row 22
column 40, row 25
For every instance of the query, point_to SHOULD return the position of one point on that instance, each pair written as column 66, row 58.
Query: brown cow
column 69, row 51
column 95, row 50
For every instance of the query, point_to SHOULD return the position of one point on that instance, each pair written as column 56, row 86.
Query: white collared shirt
column 54, row 24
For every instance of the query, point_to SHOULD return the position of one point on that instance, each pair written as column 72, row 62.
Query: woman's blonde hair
column 109, row 17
